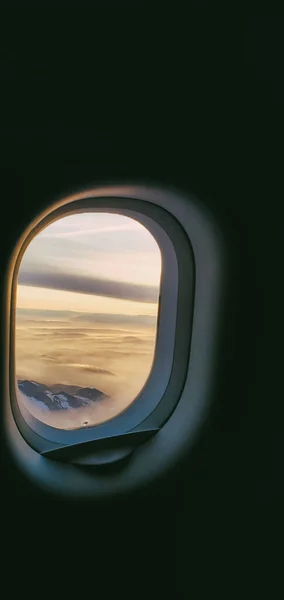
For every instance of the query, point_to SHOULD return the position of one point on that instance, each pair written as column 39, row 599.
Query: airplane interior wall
column 215, row 525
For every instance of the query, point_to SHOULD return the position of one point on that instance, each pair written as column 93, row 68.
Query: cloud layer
column 61, row 317
column 115, row 359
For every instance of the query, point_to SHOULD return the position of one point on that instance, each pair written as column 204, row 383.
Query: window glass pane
column 87, row 307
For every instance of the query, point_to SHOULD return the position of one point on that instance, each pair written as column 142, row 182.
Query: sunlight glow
column 84, row 352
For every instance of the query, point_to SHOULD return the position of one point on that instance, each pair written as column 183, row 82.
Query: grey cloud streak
column 88, row 285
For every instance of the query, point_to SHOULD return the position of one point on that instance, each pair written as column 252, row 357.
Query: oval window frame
column 156, row 401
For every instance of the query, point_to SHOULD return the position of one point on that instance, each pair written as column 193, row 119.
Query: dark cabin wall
column 211, row 124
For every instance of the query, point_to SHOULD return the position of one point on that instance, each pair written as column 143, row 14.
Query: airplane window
column 113, row 304
column 86, row 318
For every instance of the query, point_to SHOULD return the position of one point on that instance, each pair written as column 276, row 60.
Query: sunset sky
column 87, row 304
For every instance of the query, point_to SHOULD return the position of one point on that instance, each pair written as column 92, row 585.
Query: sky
column 87, row 303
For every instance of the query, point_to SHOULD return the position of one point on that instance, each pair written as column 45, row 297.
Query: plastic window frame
column 163, row 452
column 161, row 392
